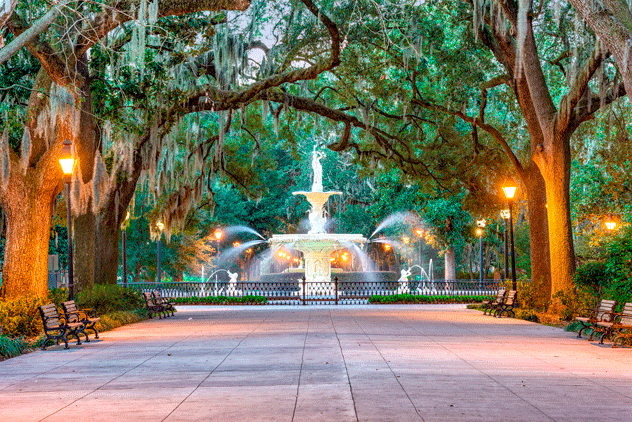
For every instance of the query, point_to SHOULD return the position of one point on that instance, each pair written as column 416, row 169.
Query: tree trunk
column 450, row 264
column 538, row 230
column 85, row 234
column 106, row 260
column 29, row 196
column 554, row 163
column 25, row 270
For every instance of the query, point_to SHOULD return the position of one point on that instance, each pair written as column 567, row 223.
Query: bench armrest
column 585, row 313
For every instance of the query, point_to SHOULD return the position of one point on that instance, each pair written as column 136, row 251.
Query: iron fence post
column 336, row 288
column 304, row 290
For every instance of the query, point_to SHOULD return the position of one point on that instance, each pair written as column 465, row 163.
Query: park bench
column 57, row 328
column 151, row 305
column 491, row 305
column 589, row 318
column 508, row 305
column 88, row 317
column 167, row 305
column 621, row 322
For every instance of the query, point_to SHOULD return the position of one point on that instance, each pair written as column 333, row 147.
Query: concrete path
column 345, row 363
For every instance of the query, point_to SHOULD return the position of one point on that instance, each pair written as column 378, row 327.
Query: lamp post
column 218, row 236
column 124, row 247
column 420, row 234
column 504, row 214
column 67, row 162
column 160, row 227
column 479, row 232
column 509, row 188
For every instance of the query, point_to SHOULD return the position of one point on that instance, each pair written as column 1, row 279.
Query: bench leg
column 584, row 326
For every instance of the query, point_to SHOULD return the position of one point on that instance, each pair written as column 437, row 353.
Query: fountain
column 317, row 245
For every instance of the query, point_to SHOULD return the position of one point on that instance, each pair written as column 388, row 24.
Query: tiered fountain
column 317, row 245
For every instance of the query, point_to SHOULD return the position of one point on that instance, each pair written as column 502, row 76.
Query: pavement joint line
column 54, row 368
column 477, row 369
column 574, row 375
column 117, row 377
column 355, row 409
column 214, row 369
column 389, row 366
column 300, row 372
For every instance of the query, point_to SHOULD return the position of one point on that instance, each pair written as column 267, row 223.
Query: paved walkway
column 355, row 363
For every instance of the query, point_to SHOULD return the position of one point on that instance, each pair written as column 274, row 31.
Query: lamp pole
column 513, row 252
column 124, row 247
column 67, row 162
column 510, row 190
column 218, row 235
column 158, row 270
column 420, row 234
column 71, row 285
column 480, row 232
column 504, row 214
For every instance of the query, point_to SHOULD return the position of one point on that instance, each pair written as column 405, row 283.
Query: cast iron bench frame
column 621, row 321
column 54, row 323
column 152, row 306
column 508, row 305
column 491, row 305
column 589, row 318
column 164, row 302
column 86, row 316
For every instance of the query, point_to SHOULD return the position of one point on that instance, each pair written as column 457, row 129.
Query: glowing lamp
column 66, row 160
column 610, row 223
column 236, row 244
column 160, row 225
column 419, row 232
column 218, row 234
column 387, row 247
column 510, row 189
column 504, row 214
column 479, row 231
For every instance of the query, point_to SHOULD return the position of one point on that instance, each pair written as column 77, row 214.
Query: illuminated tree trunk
column 554, row 162
column 538, row 231
column 28, row 213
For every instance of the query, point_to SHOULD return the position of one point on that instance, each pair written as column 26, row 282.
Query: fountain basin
column 317, row 249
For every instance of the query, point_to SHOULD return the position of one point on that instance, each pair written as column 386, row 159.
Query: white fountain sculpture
column 403, row 279
column 317, row 245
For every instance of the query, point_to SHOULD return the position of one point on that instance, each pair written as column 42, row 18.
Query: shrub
column 528, row 315
column 592, row 275
column 58, row 296
column 408, row 298
column 20, row 317
column 119, row 318
column 10, row 347
column 108, row 298
column 221, row 300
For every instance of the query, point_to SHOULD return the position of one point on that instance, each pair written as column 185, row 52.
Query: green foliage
column 107, row 298
column 20, row 317
column 408, row 298
column 573, row 302
column 528, row 315
column 11, row 347
column 221, row 300
column 58, row 296
column 618, row 260
column 117, row 319
column 593, row 276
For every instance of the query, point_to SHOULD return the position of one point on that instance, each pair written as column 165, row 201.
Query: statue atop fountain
column 316, row 197
column 317, row 185
column 317, row 245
